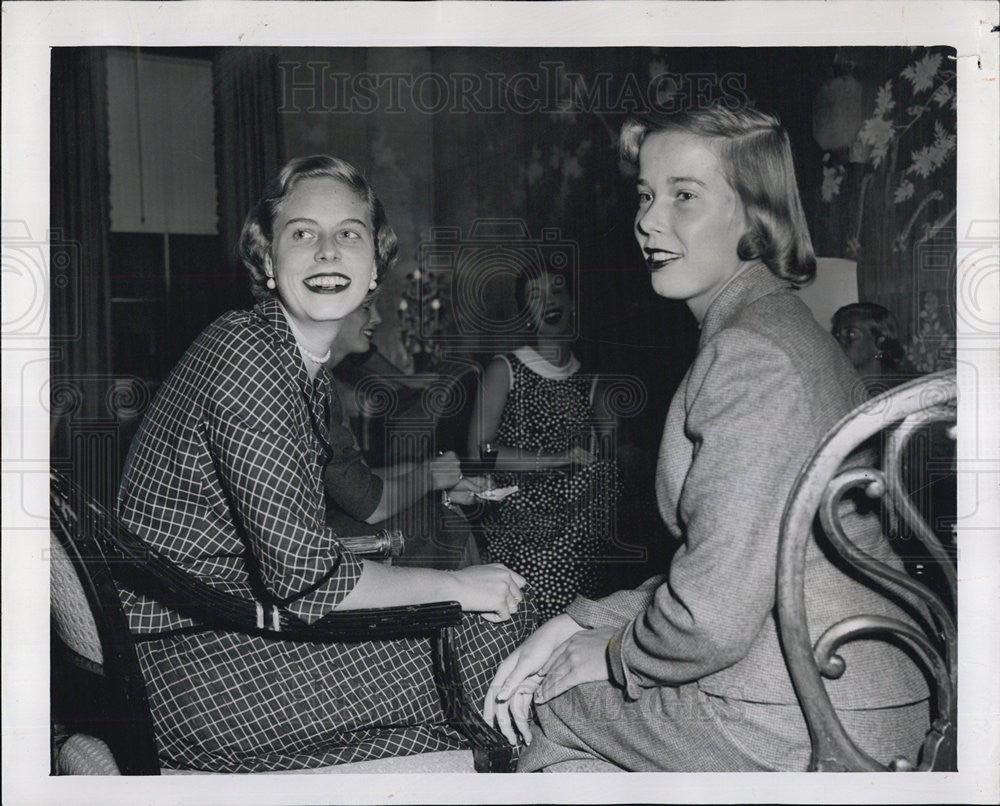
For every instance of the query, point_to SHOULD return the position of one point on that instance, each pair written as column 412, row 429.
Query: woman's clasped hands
column 557, row 657
column 446, row 474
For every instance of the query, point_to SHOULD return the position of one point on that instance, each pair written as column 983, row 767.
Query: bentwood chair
column 894, row 420
column 100, row 712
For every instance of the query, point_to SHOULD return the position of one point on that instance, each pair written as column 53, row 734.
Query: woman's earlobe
column 749, row 246
column 269, row 271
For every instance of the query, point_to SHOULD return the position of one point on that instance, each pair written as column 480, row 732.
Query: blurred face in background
column 550, row 303
column 855, row 336
column 357, row 328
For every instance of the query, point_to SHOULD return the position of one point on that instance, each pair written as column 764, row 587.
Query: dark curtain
column 249, row 146
column 78, row 185
column 83, row 429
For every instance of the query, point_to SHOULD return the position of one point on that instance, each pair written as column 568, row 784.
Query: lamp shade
column 838, row 113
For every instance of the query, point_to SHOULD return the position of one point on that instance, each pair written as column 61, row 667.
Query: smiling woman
column 319, row 241
column 689, row 222
column 323, row 257
column 689, row 663
column 537, row 411
column 230, row 476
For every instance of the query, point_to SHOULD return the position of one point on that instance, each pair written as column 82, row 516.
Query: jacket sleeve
column 614, row 610
column 266, row 474
column 749, row 426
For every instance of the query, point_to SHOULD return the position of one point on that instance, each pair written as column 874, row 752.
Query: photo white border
column 30, row 29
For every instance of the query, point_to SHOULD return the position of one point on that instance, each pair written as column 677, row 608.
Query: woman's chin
column 666, row 286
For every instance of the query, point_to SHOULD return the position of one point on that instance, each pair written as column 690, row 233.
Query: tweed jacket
column 766, row 385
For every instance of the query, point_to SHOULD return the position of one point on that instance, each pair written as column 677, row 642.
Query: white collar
column 530, row 357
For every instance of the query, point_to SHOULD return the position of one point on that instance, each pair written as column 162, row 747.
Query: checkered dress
column 240, row 431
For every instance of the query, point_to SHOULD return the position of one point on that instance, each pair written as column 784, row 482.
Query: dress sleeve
column 748, row 419
column 265, row 469
column 349, row 482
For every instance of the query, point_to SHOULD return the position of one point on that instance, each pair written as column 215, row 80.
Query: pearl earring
column 271, row 284
column 373, row 283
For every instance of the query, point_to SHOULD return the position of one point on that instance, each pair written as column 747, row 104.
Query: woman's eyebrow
column 676, row 179
column 299, row 220
column 673, row 180
column 305, row 220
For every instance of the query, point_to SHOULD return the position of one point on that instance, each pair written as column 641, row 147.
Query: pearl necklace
column 316, row 359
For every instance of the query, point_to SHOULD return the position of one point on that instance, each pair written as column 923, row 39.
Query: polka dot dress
column 557, row 529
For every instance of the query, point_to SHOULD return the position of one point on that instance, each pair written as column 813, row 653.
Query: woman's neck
column 699, row 305
column 556, row 352
column 314, row 340
column 872, row 368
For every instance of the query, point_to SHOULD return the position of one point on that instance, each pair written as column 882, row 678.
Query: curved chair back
column 897, row 415
column 72, row 620
column 98, row 689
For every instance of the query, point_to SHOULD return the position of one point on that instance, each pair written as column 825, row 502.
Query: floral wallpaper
column 891, row 178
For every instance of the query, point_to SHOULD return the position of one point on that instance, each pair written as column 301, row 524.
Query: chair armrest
column 490, row 750
column 95, row 531
column 385, row 622
column 97, row 541
column 380, row 546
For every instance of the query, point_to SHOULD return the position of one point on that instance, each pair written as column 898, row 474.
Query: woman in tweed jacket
column 226, row 478
column 686, row 673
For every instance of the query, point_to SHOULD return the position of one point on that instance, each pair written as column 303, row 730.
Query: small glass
column 488, row 453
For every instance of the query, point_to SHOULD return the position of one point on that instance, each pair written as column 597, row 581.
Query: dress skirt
column 227, row 702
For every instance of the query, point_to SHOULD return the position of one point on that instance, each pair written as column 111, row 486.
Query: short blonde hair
column 254, row 245
column 756, row 157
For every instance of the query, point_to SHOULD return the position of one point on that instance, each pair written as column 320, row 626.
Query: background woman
column 538, row 409
column 868, row 334
column 226, row 479
column 436, row 537
column 686, row 672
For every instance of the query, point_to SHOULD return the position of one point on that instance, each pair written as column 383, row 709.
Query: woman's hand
column 581, row 659
column 445, row 471
column 494, row 591
column 517, row 678
column 462, row 493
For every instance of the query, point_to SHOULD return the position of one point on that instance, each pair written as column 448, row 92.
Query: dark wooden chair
column 890, row 420
column 100, row 712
